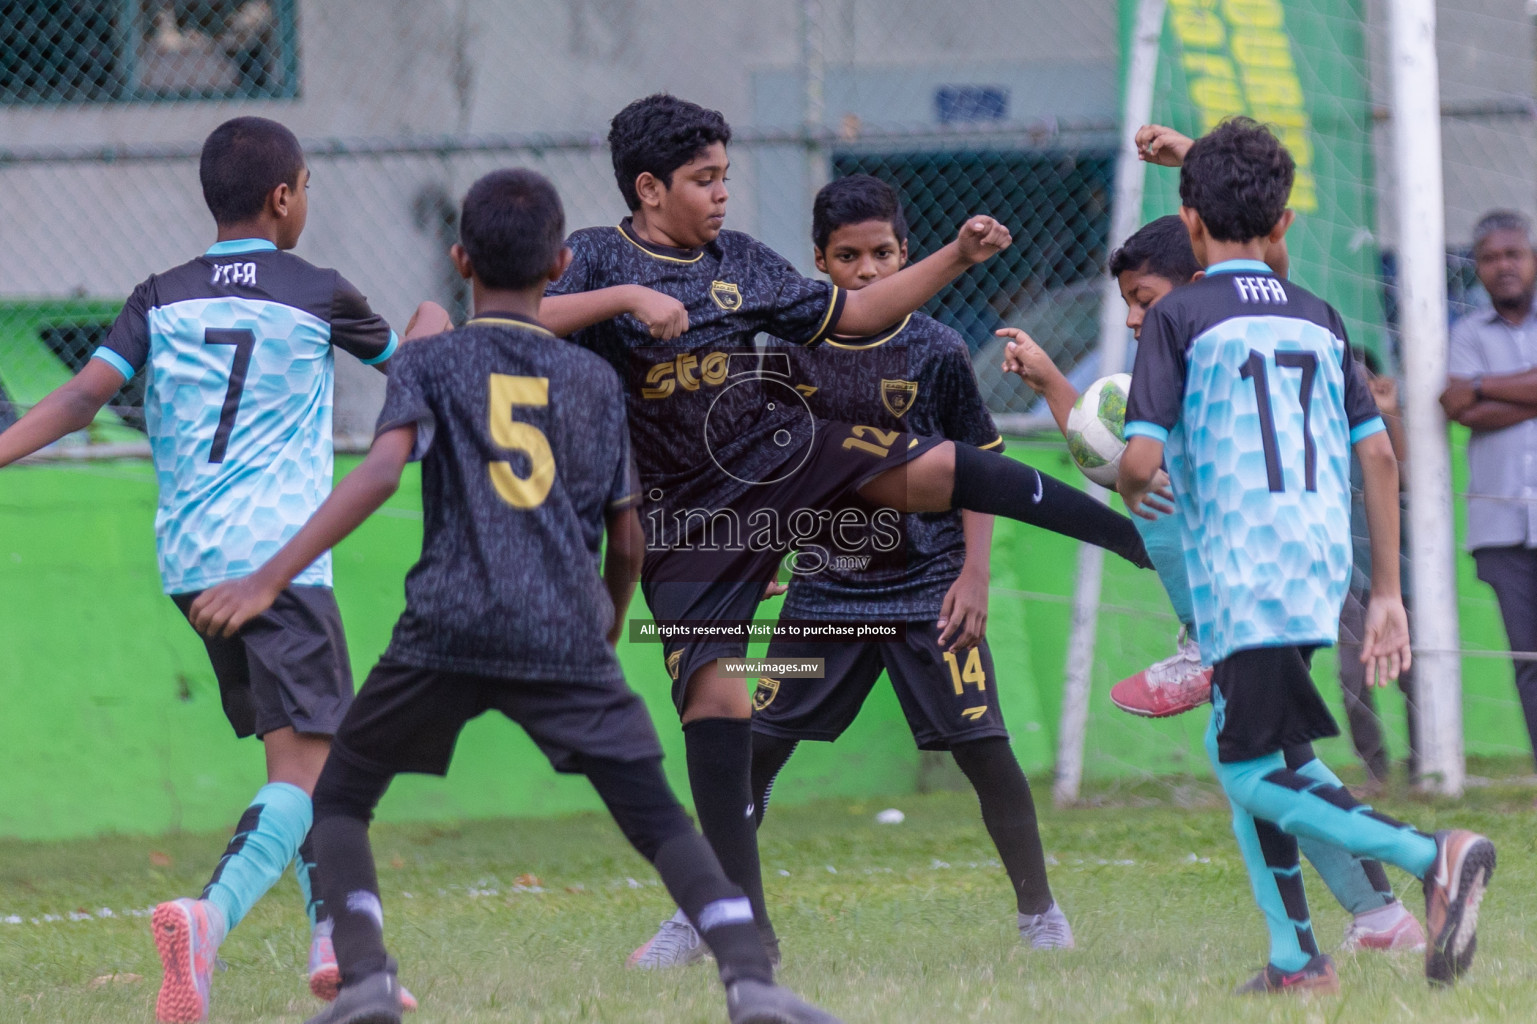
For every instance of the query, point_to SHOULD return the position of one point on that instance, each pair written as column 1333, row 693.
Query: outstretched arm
column 1024, row 357
column 566, row 314
column 68, row 408
column 884, row 302
column 621, row 564
column 224, row 609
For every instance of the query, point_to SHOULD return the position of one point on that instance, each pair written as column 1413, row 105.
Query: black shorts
column 286, row 667
column 947, row 699
column 407, row 719
column 1267, row 703
column 708, row 579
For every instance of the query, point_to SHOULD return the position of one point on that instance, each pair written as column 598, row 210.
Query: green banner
column 1299, row 66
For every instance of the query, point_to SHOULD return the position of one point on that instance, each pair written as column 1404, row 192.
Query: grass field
column 531, row 921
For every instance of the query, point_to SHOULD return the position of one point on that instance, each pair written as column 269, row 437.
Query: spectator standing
column 1493, row 391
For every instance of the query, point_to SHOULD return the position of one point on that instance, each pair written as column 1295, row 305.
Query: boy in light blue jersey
column 237, row 347
column 1247, row 384
column 1152, row 263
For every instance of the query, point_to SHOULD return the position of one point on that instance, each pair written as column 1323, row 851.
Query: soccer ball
column 1096, row 428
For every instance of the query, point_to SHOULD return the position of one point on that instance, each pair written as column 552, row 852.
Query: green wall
column 114, row 724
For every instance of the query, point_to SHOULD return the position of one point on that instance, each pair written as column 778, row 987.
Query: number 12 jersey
column 1250, row 383
column 237, row 345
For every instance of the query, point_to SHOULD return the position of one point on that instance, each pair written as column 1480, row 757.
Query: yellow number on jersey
column 507, row 392
column 884, row 440
column 972, row 673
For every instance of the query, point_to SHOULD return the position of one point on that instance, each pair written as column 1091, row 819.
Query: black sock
column 720, row 913
column 998, row 485
column 1008, row 811
column 345, row 798
column 770, row 754
column 346, row 862
column 720, row 776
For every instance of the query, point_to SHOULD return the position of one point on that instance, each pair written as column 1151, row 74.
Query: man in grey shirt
column 1493, row 390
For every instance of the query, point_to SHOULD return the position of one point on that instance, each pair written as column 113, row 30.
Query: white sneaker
column 675, row 944
column 1048, row 930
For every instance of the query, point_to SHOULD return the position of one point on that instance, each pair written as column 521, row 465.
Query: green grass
column 880, row 923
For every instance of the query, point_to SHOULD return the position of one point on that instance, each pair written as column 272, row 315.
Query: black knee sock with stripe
column 770, row 754
column 720, row 776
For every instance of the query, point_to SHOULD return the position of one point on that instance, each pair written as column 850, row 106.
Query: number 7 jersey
column 237, row 346
column 1250, row 383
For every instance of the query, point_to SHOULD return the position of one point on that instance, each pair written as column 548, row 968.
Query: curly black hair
column 660, row 133
column 1238, row 177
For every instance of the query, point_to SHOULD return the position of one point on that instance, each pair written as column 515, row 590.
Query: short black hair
column 660, row 133
column 1159, row 247
column 243, row 160
column 513, row 227
column 854, row 200
column 1238, row 177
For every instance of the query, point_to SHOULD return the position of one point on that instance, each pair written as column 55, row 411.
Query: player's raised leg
column 951, row 475
column 1455, row 866
column 1379, row 920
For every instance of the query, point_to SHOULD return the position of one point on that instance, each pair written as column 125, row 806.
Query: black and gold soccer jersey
column 708, row 418
column 1250, row 382
column 524, row 454
column 916, row 377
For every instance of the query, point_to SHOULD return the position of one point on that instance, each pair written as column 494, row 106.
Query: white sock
column 1383, row 918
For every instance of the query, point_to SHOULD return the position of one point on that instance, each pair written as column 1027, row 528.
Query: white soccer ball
column 1096, row 428
column 891, row 816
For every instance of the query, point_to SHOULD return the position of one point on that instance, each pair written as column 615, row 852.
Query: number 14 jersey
column 237, row 345
column 1250, row 383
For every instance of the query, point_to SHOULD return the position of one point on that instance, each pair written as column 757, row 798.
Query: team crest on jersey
column 764, row 695
column 898, row 396
column 726, row 295
column 673, row 661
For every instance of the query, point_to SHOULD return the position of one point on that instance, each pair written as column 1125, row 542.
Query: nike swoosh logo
column 1040, row 488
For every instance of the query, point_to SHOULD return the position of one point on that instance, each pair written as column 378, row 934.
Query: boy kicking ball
column 525, row 468
column 1247, row 384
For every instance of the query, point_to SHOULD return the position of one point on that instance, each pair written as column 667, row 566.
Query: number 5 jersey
column 237, row 345
column 1250, row 383
column 525, row 457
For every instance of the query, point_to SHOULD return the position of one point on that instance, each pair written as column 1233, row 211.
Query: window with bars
column 76, row 51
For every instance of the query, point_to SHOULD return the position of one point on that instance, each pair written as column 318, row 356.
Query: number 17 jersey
column 1250, row 383
column 237, row 346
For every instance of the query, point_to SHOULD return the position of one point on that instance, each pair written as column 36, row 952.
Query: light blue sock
column 1306, row 807
column 1275, row 873
column 1343, row 872
column 1166, row 550
column 262, row 847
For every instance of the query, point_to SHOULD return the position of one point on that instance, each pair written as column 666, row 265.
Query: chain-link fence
column 1004, row 107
